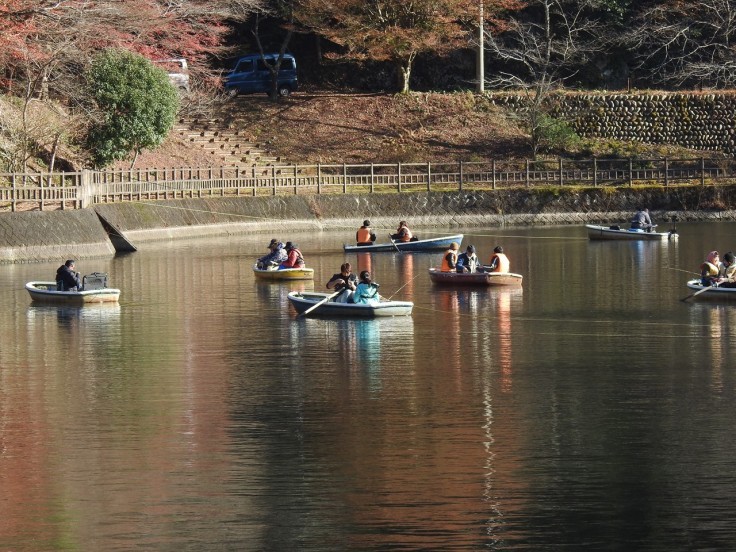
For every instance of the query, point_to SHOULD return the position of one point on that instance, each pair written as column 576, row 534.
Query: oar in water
column 394, row 243
column 322, row 302
column 697, row 293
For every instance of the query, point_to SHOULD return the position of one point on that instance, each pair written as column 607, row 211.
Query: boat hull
column 475, row 278
column 45, row 292
column 712, row 292
column 302, row 301
column 596, row 232
column 433, row 244
column 285, row 274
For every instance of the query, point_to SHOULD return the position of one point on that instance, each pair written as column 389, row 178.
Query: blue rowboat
column 432, row 244
column 302, row 301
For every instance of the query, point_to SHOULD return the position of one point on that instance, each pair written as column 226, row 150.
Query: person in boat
column 449, row 259
column 365, row 235
column 275, row 256
column 499, row 262
column 727, row 271
column 366, row 292
column 294, row 257
column 642, row 221
column 468, row 261
column 344, row 281
column 403, row 234
column 709, row 269
column 67, row 279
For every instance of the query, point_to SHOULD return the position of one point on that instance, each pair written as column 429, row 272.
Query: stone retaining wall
column 52, row 235
column 703, row 121
column 57, row 235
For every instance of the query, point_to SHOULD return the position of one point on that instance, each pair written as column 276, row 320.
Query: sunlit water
column 592, row 409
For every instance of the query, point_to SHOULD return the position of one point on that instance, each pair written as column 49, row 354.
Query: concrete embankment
column 42, row 236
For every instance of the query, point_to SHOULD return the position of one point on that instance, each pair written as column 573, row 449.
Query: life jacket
column 446, row 264
column 363, row 235
column 503, row 263
column 708, row 269
column 407, row 236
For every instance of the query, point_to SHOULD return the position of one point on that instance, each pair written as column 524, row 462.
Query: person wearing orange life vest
column 364, row 235
column 294, row 257
column 498, row 261
column 709, row 269
column 403, row 234
column 449, row 260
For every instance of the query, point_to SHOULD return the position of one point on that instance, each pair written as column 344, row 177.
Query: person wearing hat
column 499, row 262
column 449, row 260
column 709, row 269
column 727, row 271
column 294, row 258
column 67, row 279
column 276, row 255
column 364, row 235
column 468, row 261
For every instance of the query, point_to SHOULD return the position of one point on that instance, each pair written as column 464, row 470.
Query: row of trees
column 47, row 47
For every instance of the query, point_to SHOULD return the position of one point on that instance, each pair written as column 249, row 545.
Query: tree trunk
column 405, row 66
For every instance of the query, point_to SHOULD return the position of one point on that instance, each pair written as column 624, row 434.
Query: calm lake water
column 590, row 410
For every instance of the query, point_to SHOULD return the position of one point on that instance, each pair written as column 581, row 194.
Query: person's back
column 366, row 292
column 364, row 235
column 499, row 262
column 294, row 258
column 67, row 279
column 641, row 220
column 449, row 259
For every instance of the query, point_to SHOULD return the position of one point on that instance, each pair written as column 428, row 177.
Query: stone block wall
column 703, row 121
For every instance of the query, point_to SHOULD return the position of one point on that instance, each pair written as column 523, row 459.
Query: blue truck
column 251, row 74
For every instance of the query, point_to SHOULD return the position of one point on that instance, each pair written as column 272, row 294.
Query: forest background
column 406, row 75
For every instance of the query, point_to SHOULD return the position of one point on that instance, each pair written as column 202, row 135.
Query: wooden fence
column 81, row 189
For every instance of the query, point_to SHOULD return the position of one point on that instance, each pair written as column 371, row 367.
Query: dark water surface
column 591, row 410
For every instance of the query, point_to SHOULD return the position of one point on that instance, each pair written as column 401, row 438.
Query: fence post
column 595, row 172
column 296, row 185
column 631, row 171
column 398, row 175
column 373, row 179
column 63, row 190
column 527, row 173
column 666, row 172
column 273, row 179
column 319, row 178
column 40, row 184
column 460, row 183
column 702, row 171
column 562, row 181
column 429, row 176
column 344, row 178
column 85, row 194
column 13, row 194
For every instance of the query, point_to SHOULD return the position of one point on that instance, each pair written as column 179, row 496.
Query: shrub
column 136, row 104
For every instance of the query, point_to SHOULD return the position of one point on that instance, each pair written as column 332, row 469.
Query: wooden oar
column 394, row 243
column 697, row 293
column 322, row 302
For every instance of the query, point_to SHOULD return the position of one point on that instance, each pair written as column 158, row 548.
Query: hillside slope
column 380, row 128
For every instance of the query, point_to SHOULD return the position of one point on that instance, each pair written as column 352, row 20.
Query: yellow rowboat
column 288, row 274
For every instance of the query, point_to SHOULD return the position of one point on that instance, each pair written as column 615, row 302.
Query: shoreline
column 50, row 235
